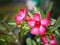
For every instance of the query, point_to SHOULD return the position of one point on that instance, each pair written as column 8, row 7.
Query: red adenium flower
column 37, row 25
column 20, row 16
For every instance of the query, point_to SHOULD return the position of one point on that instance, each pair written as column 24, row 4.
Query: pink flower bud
column 43, row 39
column 48, row 15
column 51, row 36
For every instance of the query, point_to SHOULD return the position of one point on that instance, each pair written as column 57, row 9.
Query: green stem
column 11, row 33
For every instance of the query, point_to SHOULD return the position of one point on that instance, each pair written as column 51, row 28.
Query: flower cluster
column 37, row 25
column 20, row 16
column 46, row 42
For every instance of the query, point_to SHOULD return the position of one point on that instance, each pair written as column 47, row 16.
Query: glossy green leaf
column 57, row 32
column 39, row 11
column 42, row 14
column 57, row 38
column 34, row 43
column 49, row 7
column 29, row 41
column 22, row 33
column 53, row 21
column 30, row 13
column 57, row 24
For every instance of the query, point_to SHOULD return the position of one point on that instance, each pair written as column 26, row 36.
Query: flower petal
column 41, row 30
column 18, row 22
column 21, row 15
column 45, row 22
column 53, row 42
column 48, row 15
column 18, row 19
column 36, row 17
column 34, row 31
column 22, row 12
column 51, row 36
column 43, row 39
column 31, row 23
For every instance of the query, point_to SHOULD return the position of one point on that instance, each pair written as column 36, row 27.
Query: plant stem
column 11, row 33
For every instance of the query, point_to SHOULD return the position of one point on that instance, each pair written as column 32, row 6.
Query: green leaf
column 57, row 23
column 39, row 11
column 53, row 21
column 29, row 41
column 57, row 38
column 2, row 27
column 57, row 32
column 49, row 7
column 3, row 42
column 30, row 13
column 22, row 33
column 34, row 42
column 42, row 14
column 7, row 38
column 36, row 10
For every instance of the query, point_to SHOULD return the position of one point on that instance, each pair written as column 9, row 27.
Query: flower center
column 37, row 24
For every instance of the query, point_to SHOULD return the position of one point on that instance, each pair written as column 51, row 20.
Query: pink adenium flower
column 53, row 42
column 46, row 42
column 43, row 39
column 20, row 16
column 37, row 25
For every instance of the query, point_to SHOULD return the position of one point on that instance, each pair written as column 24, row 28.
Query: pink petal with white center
column 36, row 17
column 53, row 42
column 31, row 23
column 42, row 30
column 34, row 31
column 45, row 22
